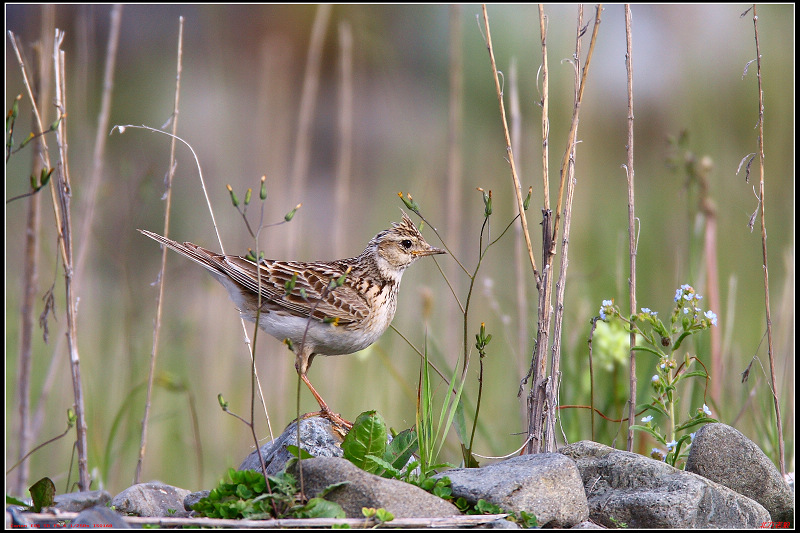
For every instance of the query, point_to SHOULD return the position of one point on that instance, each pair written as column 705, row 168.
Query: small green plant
column 245, row 495
column 42, row 495
column 380, row 516
column 432, row 439
column 687, row 319
column 366, row 446
column 618, row 523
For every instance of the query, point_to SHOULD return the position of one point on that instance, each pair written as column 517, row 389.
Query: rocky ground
column 728, row 483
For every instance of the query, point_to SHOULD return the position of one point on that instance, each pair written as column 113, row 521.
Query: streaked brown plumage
column 317, row 318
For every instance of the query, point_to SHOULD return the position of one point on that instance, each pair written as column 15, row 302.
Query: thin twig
column 543, row 393
column 122, row 129
column 573, row 130
column 30, row 274
column 162, row 271
column 631, row 225
column 545, row 103
column 62, row 192
column 778, row 420
column 514, row 177
column 410, row 523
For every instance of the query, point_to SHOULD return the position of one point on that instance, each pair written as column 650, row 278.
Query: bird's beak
column 429, row 251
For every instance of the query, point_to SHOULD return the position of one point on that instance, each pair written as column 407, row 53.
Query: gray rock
column 547, row 485
column 15, row 517
column 317, row 434
column 99, row 516
column 151, row 499
column 367, row 490
column 75, row 502
column 193, row 498
column 722, row 454
column 588, row 525
column 624, row 487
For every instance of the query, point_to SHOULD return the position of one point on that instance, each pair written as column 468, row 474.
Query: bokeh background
column 242, row 80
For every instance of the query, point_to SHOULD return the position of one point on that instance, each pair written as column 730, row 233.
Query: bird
column 319, row 307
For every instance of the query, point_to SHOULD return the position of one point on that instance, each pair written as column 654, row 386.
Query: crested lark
column 303, row 302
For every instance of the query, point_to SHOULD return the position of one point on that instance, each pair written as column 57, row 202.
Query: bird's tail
column 205, row 258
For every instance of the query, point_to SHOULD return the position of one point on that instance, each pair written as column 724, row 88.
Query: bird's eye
column 406, row 243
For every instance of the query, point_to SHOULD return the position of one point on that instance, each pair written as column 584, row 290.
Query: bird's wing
column 309, row 293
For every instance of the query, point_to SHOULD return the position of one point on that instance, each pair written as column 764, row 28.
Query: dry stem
column 778, row 420
column 514, row 178
column 30, row 273
column 543, row 395
column 631, row 225
column 62, row 196
column 160, row 296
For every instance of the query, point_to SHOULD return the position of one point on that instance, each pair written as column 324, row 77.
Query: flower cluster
column 687, row 302
column 663, row 340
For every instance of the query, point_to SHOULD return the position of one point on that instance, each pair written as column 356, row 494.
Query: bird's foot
column 336, row 420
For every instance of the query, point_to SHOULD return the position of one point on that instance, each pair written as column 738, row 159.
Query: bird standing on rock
column 318, row 307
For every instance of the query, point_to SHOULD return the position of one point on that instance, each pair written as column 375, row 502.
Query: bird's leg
column 302, row 364
column 324, row 410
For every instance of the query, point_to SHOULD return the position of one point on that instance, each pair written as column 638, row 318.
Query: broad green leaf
column 402, row 447
column 368, row 437
column 298, row 452
column 320, row 508
column 386, row 469
column 42, row 494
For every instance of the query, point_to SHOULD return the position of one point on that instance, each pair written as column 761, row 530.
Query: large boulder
column 639, row 492
column 547, row 485
column 723, row 454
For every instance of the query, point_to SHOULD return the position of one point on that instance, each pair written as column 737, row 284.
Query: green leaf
column 696, row 421
column 244, row 492
column 42, row 494
column 462, row 504
column 650, row 431
column 300, row 453
column 383, row 515
column 320, row 508
column 527, row 520
column 647, row 349
column 680, row 339
column 444, row 492
column 368, row 437
column 698, row 373
column 402, row 447
column 468, row 458
column 10, row 500
column 653, row 407
column 332, row 487
column 460, row 423
column 386, row 469
column 484, row 507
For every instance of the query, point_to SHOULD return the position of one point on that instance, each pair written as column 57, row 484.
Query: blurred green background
column 239, row 108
